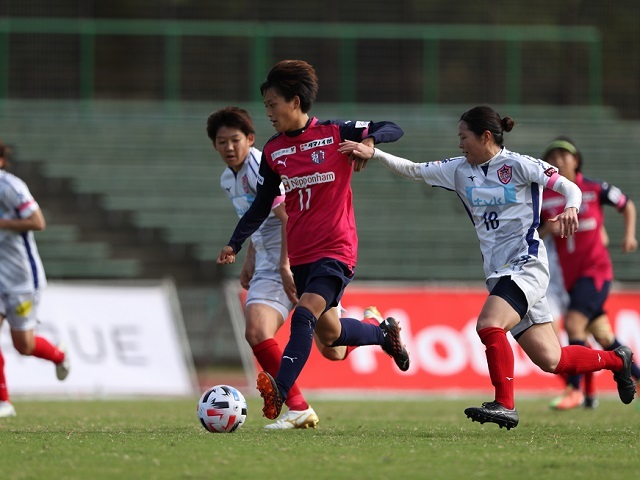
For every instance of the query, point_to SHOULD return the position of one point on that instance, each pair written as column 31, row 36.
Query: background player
column 22, row 276
column 584, row 259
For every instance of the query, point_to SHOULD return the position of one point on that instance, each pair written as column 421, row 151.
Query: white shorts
column 20, row 309
column 268, row 290
column 556, row 293
column 532, row 277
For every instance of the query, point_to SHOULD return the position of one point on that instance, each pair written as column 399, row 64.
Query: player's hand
column 359, row 153
column 629, row 245
column 288, row 284
column 246, row 274
column 226, row 255
column 568, row 222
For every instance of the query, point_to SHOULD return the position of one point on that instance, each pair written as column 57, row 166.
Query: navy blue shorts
column 509, row 291
column 325, row 277
column 587, row 299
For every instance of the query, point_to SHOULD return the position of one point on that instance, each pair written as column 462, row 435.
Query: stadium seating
column 65, row 256
column 155, row 161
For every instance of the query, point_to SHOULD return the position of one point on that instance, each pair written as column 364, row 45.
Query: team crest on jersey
column 245, row 183
column 317, row 156
column 504, row 174
column 550, row 171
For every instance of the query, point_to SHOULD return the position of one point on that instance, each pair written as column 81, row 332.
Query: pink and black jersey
column 317, row 182
column 584, row 254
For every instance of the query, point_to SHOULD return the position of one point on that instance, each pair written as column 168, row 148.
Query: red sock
column 500, row 362
column 269, row 354
column 4, row 393
column 44, row 349
column 576, row 359
column 370, row 321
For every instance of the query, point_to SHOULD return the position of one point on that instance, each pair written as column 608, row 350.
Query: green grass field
column 406, row 439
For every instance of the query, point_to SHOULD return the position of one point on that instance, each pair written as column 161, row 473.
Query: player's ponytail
column 483, row 118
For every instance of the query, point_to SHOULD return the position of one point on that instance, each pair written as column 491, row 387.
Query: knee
column 602, row 332
column 256, row 333
column 326, row 338
column 335, row 354
column 548, row 366
column 547, row 363
column 24, row 349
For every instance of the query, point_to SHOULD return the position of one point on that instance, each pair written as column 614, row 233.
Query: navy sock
column 635, row 371
column 574, row 380
column 355, row 333
column 297, row 351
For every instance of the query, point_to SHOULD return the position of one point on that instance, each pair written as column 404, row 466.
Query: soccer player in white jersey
column 22, row 276
column 265, row 273
column 502, row 194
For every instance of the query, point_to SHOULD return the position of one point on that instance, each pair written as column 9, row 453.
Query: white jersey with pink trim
column 503, row 198
column 241, row 187
column 21, row 269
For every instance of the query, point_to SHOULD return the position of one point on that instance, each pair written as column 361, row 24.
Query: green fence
column 262, row 36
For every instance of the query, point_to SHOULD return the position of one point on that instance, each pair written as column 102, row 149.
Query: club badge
column 317, row 156
column 504, row 174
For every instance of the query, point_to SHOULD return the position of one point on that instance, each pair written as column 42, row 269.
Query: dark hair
column 483, row 118
column 563, row 143
column 5, row 153
column 233, row 117
column 292, row 78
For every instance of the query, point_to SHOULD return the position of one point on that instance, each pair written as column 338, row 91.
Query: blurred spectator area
column 357, row 62
column 134, row 186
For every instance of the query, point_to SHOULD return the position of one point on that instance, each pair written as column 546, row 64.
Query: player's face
column 284, row 115
column 565, row 161
column 233, row 146
column 472, row 146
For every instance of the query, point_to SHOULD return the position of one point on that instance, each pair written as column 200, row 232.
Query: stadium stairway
column 84, row 241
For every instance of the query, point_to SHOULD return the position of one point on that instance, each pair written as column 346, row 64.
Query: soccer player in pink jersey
column 21, row 276
column 321, row 232
column 265, row 273
column 584, row 258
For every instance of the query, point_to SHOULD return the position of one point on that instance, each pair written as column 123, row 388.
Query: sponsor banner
column 121, row 340
column 438, row 326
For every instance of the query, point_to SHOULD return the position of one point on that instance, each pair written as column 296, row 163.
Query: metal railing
column 262, row 35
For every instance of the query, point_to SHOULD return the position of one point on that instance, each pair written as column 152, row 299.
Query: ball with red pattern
column 222, row 409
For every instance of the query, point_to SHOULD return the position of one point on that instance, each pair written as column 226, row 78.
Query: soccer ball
column 222, row 409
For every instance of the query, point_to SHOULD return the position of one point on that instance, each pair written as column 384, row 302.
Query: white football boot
column 373, row 312
column 295, row 419
column 7, row 410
